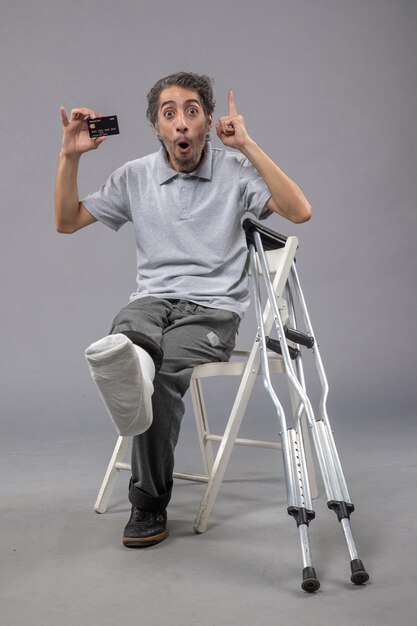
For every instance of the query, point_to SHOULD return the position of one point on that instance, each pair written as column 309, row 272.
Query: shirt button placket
column 183, row 178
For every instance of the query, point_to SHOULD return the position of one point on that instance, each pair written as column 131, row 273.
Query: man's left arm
column 287, row 199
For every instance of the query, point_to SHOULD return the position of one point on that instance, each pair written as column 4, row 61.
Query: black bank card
column 101, row 126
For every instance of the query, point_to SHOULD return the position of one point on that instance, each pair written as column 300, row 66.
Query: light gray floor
column 63, row 564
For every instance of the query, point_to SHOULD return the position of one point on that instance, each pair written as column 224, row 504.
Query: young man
column 186, row 202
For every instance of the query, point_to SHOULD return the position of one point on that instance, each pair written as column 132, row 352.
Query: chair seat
column 234, row 367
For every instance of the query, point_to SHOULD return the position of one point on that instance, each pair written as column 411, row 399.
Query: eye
column 193, row 111
column 168, row 113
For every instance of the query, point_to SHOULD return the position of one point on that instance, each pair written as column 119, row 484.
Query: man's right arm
column 70, row 213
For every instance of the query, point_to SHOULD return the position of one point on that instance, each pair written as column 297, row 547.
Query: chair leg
column 226, row 446
column 200, row 413
column 105, row 491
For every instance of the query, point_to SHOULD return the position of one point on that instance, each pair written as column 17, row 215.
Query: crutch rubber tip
column 310, row 581
column 359, row 575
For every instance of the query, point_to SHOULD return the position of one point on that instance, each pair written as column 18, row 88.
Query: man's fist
column 231, row 128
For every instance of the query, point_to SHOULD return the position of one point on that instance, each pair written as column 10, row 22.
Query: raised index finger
column 64, row 117
column 232, row 108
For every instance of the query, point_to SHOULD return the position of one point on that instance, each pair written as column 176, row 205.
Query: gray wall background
column 327, row 87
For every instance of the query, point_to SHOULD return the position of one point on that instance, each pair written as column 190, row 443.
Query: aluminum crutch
column 338, row 499
column 333, row 478
column 295, row 471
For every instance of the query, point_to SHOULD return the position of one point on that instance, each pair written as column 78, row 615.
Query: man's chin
column 186, row 163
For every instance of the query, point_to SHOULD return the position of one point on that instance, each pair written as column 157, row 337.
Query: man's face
column 182, row 126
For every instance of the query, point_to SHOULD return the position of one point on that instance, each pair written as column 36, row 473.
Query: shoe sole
column 144, row 542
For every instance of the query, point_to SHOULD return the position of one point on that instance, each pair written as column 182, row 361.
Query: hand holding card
column 76, row 139
column 103, row 126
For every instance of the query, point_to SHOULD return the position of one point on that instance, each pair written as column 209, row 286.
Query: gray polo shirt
column 189, row 238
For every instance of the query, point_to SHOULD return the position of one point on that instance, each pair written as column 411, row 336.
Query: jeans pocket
column 223, row 329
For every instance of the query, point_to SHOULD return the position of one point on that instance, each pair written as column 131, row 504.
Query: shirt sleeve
column 254, row 192
column 110, row 204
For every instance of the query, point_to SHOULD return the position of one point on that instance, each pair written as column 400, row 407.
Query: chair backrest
column 279, row 263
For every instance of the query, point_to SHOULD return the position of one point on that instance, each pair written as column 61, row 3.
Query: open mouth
column 183, row 147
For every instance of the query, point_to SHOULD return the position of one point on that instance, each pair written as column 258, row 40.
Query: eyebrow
column 191, row 100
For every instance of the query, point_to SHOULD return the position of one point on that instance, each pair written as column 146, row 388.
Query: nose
column 181, row 122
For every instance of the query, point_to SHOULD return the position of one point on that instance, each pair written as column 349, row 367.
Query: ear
column 155, row 131
column 210, row 123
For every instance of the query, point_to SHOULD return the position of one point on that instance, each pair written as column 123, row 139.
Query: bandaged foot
column 123, row 373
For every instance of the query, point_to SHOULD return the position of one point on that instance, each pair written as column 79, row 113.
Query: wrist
column 69, row 156
column 249, row 147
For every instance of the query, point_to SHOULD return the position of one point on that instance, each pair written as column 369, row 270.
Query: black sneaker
column 145, row 528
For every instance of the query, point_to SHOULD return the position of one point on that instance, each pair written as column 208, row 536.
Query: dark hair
column 199, row 83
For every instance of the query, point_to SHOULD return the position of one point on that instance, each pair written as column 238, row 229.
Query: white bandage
column 123, row 374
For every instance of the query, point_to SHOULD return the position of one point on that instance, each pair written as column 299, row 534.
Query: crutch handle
column 298, row 337
column 275, row 346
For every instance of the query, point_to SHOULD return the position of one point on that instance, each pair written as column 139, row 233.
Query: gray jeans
column 179, row 335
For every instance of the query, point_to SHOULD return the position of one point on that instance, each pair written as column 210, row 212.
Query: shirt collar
column 204, row 170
